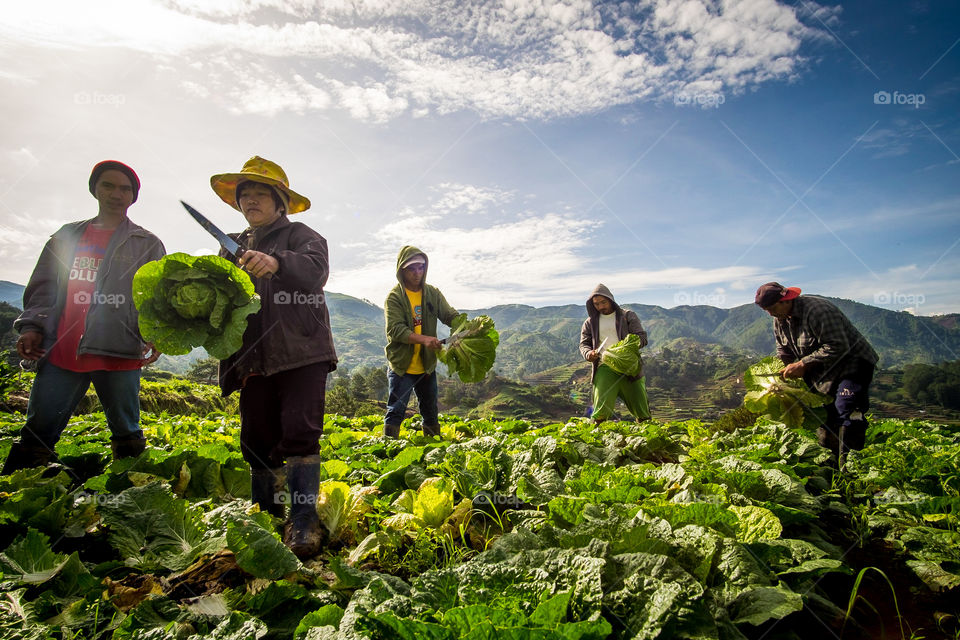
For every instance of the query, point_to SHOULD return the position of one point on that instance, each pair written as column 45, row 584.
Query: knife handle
column 242, row 251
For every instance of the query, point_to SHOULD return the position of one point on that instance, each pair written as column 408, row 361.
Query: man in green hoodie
column 412, row 309
column 606, row 325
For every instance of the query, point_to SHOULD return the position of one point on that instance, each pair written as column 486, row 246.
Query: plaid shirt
column 818, row 333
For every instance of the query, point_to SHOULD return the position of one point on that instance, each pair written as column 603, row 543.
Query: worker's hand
column 431, row 342
column 794, row 370
column 29, row 345
column 593, row 356
column 153, row 354
column 259, row 264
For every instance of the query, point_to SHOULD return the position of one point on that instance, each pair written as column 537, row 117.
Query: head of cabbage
column 189, row 301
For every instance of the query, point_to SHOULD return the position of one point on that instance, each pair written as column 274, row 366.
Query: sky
column 678, row 151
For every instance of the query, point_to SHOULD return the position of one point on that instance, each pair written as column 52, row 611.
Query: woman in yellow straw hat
column 281, row 370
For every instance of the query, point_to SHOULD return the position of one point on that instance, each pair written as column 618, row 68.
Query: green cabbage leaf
column 624, row 357
column 789, row 401
column 189, row 301
column 471, row 348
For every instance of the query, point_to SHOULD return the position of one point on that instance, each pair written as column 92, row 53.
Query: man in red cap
column 79, row 323
column 818, row 343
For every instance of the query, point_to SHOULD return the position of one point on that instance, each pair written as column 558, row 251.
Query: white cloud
column 534, row 258
column 893, row 141
column 20, row 235
column 918, row 289
column 379, row 59
column 469, row 199
column 259, row 91
column 23, row 158
column 373, row 103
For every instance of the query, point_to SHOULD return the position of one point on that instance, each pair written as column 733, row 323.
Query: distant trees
column 361, row 392
column 933, row 384
column 8, row 337
column 204, row 371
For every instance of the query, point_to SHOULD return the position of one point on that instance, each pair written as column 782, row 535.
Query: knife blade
column 225, row 241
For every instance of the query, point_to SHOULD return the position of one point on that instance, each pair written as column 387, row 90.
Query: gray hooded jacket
column 627, row 322
column 109, row 329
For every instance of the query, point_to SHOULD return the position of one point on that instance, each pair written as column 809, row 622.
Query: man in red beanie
column 818, row 343
column 79, row 323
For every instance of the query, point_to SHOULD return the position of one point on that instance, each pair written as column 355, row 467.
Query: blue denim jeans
column 57, row 392
column 846, row 419
column 425, row 384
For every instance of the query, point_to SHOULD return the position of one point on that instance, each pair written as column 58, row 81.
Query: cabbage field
column 498, row 529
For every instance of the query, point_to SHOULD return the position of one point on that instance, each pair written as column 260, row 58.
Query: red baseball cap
column 773, row 292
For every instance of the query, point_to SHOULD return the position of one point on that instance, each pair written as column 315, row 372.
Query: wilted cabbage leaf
column 194, row 301
column 624, row 357
column 471, row 348
column 790, row 401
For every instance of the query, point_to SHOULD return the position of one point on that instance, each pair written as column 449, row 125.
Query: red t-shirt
column 81, row 289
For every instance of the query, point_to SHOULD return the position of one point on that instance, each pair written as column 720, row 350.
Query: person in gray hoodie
column 607, row 320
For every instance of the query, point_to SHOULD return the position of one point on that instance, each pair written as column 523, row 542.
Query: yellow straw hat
column 258, row 169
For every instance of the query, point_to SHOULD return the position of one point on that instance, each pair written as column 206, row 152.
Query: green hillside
column 535, row 339
column 11, row 293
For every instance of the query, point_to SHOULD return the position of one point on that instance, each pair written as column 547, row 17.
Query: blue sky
column 681, row 152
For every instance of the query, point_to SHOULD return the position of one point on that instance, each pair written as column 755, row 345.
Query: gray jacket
column 627, row 322
column 111, row 328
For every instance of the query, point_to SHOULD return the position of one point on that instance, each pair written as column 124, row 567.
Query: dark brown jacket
column 292, row 328
column 627, row 322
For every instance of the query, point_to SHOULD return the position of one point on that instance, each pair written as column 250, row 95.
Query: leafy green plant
column 471, row 348
column 341, row 509
column 189, row 301
column 730, row 538
column 854, row 595
column 624, row 357
column 790, row 401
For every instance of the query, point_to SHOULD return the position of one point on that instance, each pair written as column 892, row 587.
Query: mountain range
column 11, row 293
column 533, row 339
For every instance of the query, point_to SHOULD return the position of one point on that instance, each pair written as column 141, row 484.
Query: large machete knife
column 225, row 241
